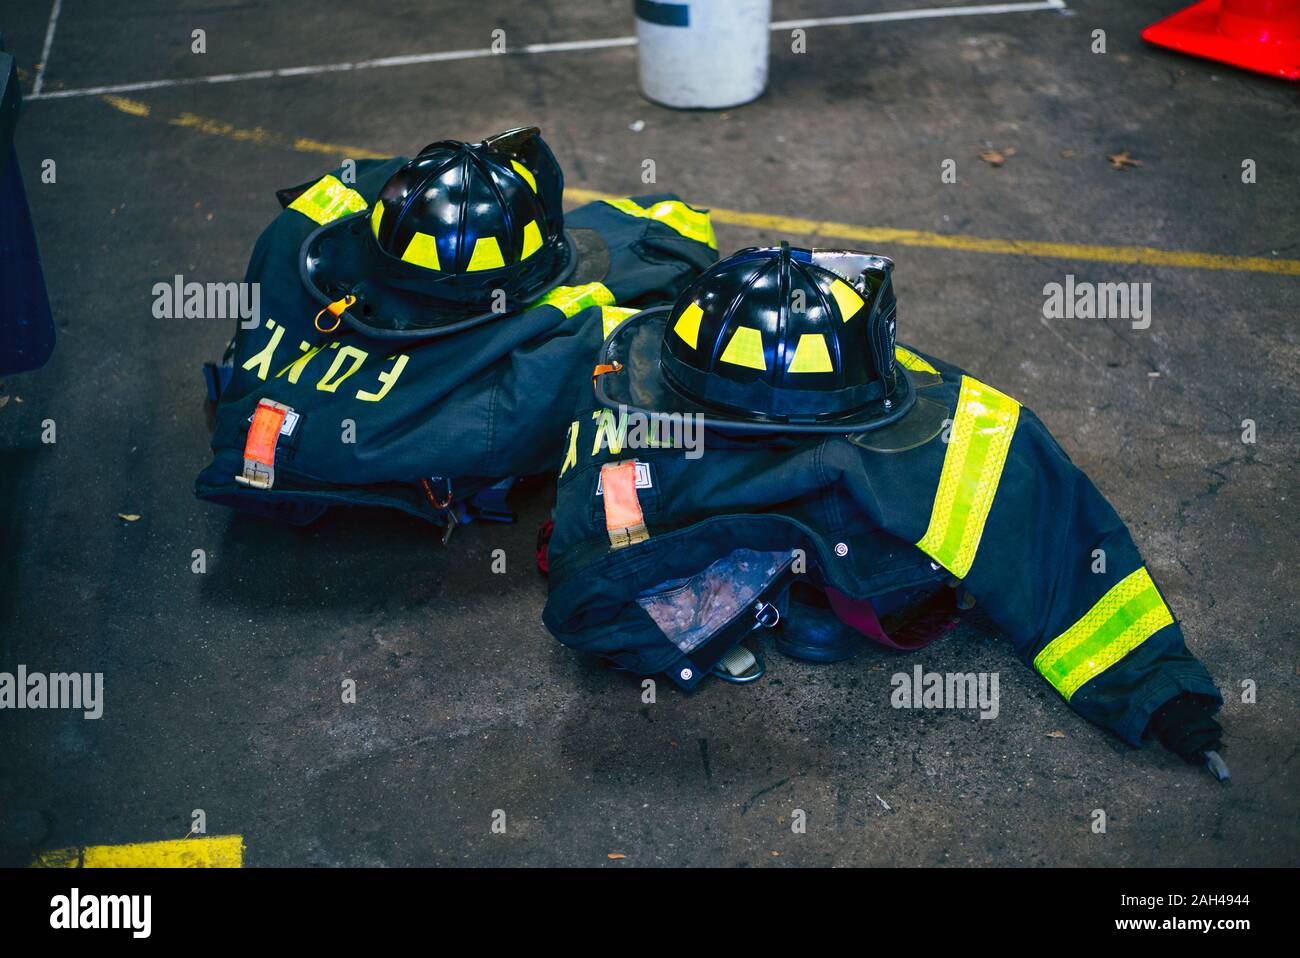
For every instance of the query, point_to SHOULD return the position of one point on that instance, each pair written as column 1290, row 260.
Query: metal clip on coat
column 739, row 665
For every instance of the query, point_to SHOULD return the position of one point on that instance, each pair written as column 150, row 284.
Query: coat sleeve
column 1055, row 567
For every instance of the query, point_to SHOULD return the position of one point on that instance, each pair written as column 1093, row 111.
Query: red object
column 544, row 546
column 919, row 631
column 264, row 433
column 1259, row 35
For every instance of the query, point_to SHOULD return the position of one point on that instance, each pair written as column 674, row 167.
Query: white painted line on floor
column 930, row 13
column 45, row 50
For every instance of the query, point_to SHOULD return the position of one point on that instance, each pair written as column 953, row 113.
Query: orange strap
column 259, row 446
column 433, row 496
column 605, row 368
column 264, row 432
column 623, row 518
column 335, row 309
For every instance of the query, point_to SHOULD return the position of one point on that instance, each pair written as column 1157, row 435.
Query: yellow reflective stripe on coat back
column 981, row 434
column 571, row 300
column 691, row 223
column 909, row 360
column 327, row 200
column 1125, row 617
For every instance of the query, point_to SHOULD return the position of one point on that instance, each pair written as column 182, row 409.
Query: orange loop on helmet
column 604, row 368
column 335, row 309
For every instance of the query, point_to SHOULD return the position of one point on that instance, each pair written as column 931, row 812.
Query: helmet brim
column 342, row 258
column 639, row 384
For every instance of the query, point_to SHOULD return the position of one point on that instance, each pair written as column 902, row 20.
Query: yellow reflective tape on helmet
column 846, row 298
column 745, row 348
column 688, row 325
column 526, row 173
column 532, row 240
column 811, row 355
column 486, row 255
column 377, row 217
column 1125, row 617
column 611, row 316
column 982, row 428
column 327, row 200
column 571, row 300
column 691, row 223
column 909, row 360
column 422, row 251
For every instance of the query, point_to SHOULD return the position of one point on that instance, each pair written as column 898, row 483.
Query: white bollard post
column 707, row 54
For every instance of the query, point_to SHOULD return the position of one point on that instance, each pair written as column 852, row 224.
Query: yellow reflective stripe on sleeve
column 571, row 300
column 811, row 355
column 745, row 349
column 909, row 360
column 689, row 222
column 526, row 173
column 377, row 217
column 1125, row 617
column 611, row 316
column 532, row 240
column 327, row 200
column 847, row 299
column 981, row 434
column 486, row 255
column 422, row 251
column 687, row 326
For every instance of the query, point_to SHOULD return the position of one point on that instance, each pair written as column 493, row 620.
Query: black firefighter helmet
column 769, row 340
column 452, row 232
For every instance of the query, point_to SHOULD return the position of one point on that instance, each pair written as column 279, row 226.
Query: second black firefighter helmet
column 790, row 336
column 456, row 226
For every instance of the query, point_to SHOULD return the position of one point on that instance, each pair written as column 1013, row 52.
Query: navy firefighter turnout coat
column 646, row 577
column 417, row 423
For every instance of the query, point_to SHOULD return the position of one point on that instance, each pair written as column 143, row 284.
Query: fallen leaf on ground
column 997, row 157
column 1122, row 161
column 128, row 516
column 616, row 855
column 1067, row 153
column 1056, row 735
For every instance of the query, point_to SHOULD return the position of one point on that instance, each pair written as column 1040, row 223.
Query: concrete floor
column 223, row 689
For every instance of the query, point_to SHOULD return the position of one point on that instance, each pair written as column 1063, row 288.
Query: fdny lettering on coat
column 338, row 365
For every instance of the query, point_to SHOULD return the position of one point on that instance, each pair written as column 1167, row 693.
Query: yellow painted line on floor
column 794, row 226
column 257, row 134
column 871, row 235
column 216, row 851
column 134, row 107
